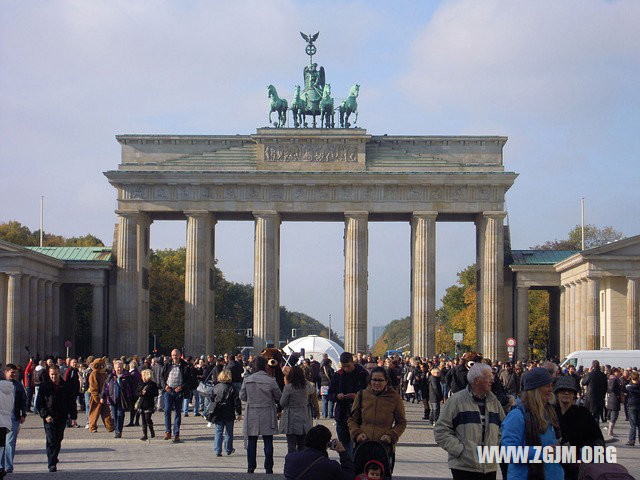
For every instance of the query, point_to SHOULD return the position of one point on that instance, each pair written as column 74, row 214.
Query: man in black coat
column 596, row 382
column 236, row 369
column 56, row 403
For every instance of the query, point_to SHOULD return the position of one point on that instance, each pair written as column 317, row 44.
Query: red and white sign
column 511, row 342
column 67, row 343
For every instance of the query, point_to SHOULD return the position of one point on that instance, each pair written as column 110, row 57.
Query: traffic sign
column 67, row 344
column 510, row 350
column 511, row 342
column 458, row 337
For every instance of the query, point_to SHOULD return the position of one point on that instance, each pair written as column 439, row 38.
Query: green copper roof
column 76, row 254
column 540, row 257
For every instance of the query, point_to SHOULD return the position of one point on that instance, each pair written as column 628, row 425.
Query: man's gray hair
column 477, row 371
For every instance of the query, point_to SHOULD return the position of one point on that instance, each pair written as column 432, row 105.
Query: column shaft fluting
column 48, row 317
column 57, row 342
column 97, row 320
column 24, row 321
column 423, row 283
column 33, row 316
column 578, row 325
column 356, row 245
column 492, row 278
column 199, row 284
column 570, row 317
column 143, row 232
column 127, row 286
column 266, row 280
column 14, row 305
column 633, row 315
column 522, row 323
column 562, row 324
column 591, row 317
column 42, row 314
column 3, row 319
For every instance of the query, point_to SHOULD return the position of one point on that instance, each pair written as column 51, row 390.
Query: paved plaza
column 100, row 456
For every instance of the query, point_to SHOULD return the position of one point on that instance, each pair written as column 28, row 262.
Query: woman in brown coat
column 97, row 409
column 378, row 412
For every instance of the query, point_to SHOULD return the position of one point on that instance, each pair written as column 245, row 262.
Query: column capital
column 359, row 214
column 98, row 284
column 495, row 214
column 127, row 213
column 265, row 213
column 198, row 213
column 426, row 214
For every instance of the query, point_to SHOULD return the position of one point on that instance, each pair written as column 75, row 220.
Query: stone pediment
column 626, row 247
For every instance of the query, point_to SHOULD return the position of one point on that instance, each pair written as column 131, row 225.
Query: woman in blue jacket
column 533, row 423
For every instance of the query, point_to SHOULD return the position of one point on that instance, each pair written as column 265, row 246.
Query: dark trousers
column 434, row 411
column 295, row 442
column 117, row 413
column 252, row 448
column 133, row 414
column 345, row 439
column 147, row 422
column 464, row 475
column 54, row 433
column 634, row 423
column 29, row 392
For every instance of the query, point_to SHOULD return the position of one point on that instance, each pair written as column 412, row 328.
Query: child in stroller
column 372, row 461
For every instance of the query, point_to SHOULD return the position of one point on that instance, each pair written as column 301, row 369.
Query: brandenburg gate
column 307, row 174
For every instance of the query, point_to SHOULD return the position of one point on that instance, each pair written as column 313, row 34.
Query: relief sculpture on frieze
column 310, row 153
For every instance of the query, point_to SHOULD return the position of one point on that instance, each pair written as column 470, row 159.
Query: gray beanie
column 565, row 382
column 536, row 377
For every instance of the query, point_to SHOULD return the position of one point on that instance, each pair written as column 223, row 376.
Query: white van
column 615, row 358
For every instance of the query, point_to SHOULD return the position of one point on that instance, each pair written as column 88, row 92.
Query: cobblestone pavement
column 100, row 456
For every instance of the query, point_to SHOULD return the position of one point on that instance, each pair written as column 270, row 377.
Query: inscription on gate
column 310, row 153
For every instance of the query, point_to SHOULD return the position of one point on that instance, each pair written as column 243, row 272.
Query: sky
column 560, row 79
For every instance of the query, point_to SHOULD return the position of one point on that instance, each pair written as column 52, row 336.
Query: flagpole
column 41, row 217
column 582, row 205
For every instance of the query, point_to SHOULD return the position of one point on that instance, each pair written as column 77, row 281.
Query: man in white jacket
column 7, row 398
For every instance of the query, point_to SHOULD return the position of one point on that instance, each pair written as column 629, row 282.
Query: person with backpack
column 224, row 409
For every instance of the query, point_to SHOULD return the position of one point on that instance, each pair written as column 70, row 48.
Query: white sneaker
column 209, row 424
column 87, row 426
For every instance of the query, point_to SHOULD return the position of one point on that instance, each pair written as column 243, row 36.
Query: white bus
column 615, row 358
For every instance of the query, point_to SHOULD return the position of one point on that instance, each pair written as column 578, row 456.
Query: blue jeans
column 252, row 447
column 227, row 427
column 117, row 413
column 87, row 404
column 327, row 407
column 345, row 438
column 634, row 424
column 35, row 399
column 172, row 402
column 10, row 446
column 196, row 402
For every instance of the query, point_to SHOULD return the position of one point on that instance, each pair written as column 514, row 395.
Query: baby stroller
column 369, row 450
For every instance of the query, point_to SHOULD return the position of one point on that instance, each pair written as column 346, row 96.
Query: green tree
column 594, row 236
column 18, row 234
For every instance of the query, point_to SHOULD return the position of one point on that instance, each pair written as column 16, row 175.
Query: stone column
column 55, row 330
column 14, row 304
column 356, row 246
column 97, row 320
column 24, row 321
column 127, row 289
column 561, row 323
column 553, row 342
column 33, row 315
column 633, row 317
column 143, row 233
column 41, row 317
column 199, row 284
column 266, row 280
column 3, row 318
column 578, row 323
column 48, row 317
column 592, row 318
column 570, row 317
column 423, row 283
column 492, row 286
column 522, row 323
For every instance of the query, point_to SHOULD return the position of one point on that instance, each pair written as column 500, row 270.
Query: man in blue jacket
column 345, row 385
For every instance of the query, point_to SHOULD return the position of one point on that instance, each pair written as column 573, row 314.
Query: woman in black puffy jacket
column 147, row 392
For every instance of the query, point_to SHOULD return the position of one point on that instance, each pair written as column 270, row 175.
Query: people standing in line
column 28, row 381
column 313, row 462
column 225, row 408
column 326, row 374
column 345, row 384
column 18, row 416
column 146, row 392
column 261, row 392
column 56, row 404
column 483, row 415
column 633, row 403
column 613, row 398
column 595, row 381
column 177, row 378
column 378, row 414
column 136, row 379
column 577, row 425
column 435, row 396
column 533, row 422
column 118, row 393
column 7, row 408
column 299, row 402
column 97, row 408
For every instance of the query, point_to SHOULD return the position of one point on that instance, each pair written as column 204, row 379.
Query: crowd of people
column 469, row 401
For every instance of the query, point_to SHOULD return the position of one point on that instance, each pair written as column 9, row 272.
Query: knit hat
column 536, row 377
column 565, row 382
